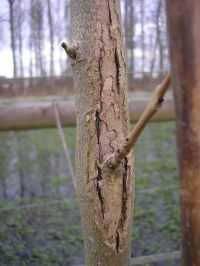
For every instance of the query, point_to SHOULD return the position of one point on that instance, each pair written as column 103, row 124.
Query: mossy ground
column 39, row 218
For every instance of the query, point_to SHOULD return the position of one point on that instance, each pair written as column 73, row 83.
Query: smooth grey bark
column 99, row 68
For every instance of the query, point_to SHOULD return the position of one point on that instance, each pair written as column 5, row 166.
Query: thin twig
column 66, row 149
column 152, row 107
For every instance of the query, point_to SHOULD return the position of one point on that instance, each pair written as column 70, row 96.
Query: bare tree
column 158, row 41
column 142, row 5
column 129, row 33
column 19, row 13
column 12, row 36
column 37, row 35
column 51, row 37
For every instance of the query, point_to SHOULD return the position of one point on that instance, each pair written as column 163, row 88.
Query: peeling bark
column 105, row 195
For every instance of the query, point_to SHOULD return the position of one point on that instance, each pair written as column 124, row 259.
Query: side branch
column 152, row 107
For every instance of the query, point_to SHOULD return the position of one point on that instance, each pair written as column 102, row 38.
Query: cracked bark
column 105, row 195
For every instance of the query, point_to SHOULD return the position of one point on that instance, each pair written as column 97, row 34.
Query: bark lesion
column 113, row 191
column 124, row 199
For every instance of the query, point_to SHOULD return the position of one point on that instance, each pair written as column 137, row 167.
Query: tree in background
column 19, row 35
column 129, row 33
column 184, row 27
column 51, row 37
column 39, row 34
column 12, row 36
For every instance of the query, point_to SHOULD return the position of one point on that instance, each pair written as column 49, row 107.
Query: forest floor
column 39, row 218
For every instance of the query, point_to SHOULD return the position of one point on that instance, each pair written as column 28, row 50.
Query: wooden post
column 184, row 38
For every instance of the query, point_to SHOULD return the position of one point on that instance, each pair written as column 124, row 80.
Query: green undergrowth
column 39, row 218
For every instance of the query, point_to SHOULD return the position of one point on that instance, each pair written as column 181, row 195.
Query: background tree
column 143, row 24
column 37, row 36
column 129, row 32
column 51, row 36
column 12, row 36
column 184, row 25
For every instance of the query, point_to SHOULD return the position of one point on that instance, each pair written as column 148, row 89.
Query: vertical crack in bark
column 98, row 126
column 117, row 64
column 117, row 241
column 99, row 176
column 109, row 10
column 124, row 205
column 115, row 228
column 98, row 188
column 100, row 72
column 124, row 193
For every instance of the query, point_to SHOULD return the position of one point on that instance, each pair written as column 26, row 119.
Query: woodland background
column 33, row 30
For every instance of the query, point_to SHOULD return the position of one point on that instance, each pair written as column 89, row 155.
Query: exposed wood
column 184, row 39
column 35, row 114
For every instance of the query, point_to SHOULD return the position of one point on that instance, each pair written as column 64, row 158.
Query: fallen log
column 37, row 113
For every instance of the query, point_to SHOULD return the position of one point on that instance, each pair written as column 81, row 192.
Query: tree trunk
column 51, row 36
column 142, row 36
column 20, row 21
column 184, row 27
column 105, row 194
column 129, row 34
column 157, row 40
column 12, row 36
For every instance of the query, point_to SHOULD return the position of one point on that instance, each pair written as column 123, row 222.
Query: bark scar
column 124, row 207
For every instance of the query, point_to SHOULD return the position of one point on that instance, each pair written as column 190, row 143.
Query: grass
column 39, row 218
